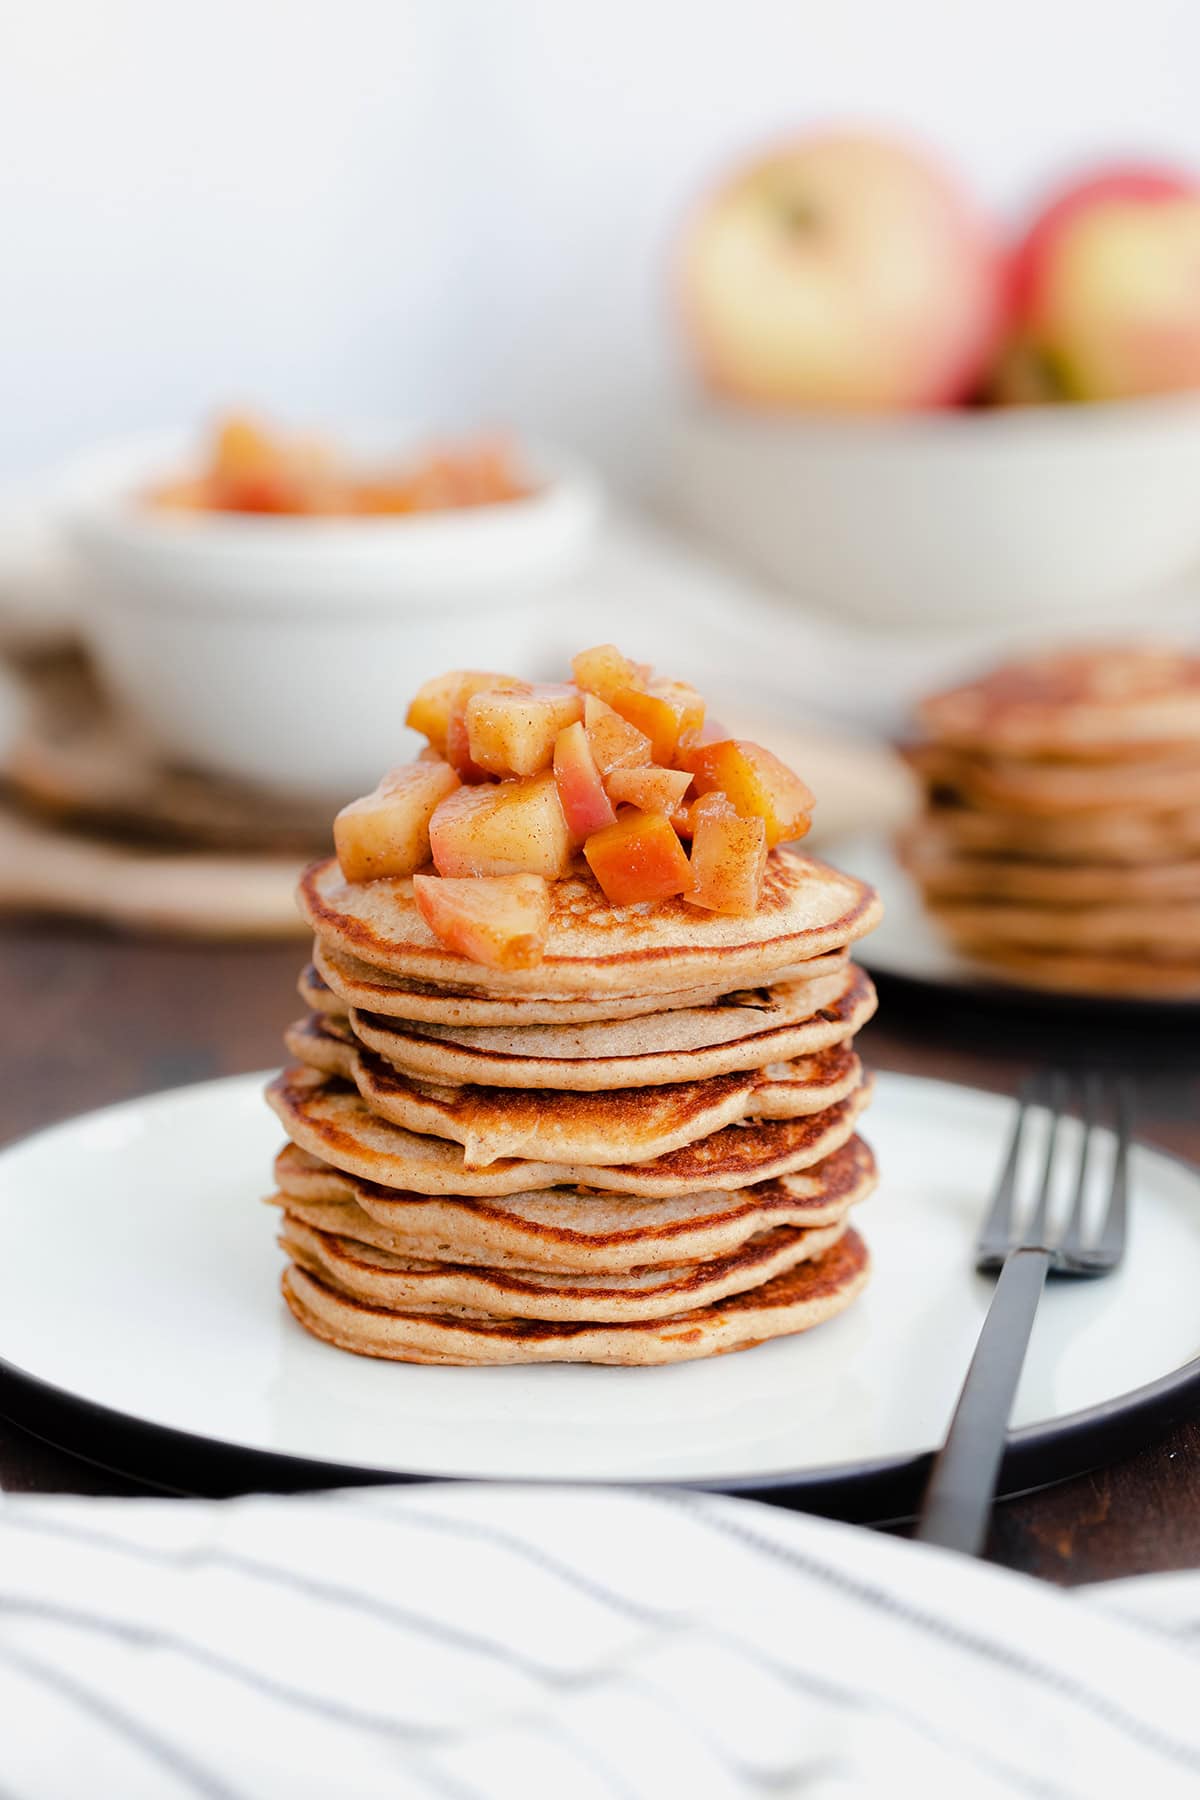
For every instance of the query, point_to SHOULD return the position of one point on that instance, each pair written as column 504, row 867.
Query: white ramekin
column 283, row 651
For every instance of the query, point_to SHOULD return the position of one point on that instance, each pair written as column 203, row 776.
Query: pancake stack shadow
column 1059, row 844
column 642, row 1151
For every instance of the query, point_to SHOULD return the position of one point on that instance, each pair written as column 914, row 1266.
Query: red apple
column 1105, row 291
column 841, row 272
column 586, row 806
column 499, row 920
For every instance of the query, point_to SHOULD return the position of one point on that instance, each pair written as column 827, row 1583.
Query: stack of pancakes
column 641, row 1150
column 1060, row 838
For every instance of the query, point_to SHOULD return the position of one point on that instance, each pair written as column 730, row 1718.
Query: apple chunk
column 586, row 806
column 429, row 712
column 514, row 733
column 458, row 742
column 688, row 707
column 505, row 828
column 604, row 672
column 651, row 788
column 387, row 832
column 615, row 744
column 669, row 712
column 729, row 857
column 499, row 920
column 756, row 784
column 639, row 858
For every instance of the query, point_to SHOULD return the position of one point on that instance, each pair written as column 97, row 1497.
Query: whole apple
column 842, row 271
column 1105, row 291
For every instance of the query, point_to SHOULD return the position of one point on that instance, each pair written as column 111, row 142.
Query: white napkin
column 577, row 1643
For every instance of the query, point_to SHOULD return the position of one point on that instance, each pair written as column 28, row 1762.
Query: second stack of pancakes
column 644, row 1150
column 1060, row 839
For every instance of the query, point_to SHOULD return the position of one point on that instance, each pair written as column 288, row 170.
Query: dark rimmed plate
column 140, row 1326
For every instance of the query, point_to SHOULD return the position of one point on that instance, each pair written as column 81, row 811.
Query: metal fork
column 962, row 1482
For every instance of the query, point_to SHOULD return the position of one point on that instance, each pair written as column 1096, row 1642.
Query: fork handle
column 962, row 1483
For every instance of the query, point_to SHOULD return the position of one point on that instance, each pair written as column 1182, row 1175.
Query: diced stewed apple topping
column 615, row 744
column 502, row 828
column 604, row 672
column 429, row 712
column 498, row 920
column 756, row 784
column 651, row 788
column 664, row 712
column 639, row 858
column 586, row 806
column 729, row 857
column 387, row 832
column 688, row 707
column 458, row 741
column 622, row 766
column 514, row 733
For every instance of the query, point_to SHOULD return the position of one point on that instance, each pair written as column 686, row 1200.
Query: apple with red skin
column 501, row 921
column 1105, row 291
column 842, row 272
column 586, row 807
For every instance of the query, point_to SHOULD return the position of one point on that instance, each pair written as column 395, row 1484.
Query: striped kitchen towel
column 495, row 1641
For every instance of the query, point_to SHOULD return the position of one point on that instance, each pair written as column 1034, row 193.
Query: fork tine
column 996, row 1231
column 1072, row 1239
column 1035, row 1231
column 1112, row 1232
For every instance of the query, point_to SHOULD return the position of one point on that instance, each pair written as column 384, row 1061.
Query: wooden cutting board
column 184, row 893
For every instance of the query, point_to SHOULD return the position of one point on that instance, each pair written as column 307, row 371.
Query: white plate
column 141, row 1274
column 906, row 942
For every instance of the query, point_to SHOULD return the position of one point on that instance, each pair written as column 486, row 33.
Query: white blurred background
column 454, row 208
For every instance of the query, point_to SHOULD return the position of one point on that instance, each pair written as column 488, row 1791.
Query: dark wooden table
column 91, row 1019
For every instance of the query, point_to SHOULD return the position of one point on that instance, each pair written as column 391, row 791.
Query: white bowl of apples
column 272, row 641
column 907, row 422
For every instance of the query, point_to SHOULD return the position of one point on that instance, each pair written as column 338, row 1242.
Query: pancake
column 344, row 981
column 595, row 949
column 789, row 1303
column 1164, row 928
column 743, row 1031
column 1152, row 782
column 1101, row 701
column 1108, row 976
column 625, row 1124
column 332, row 1121
column 572, row 1230
column 1125, row 835
column 948, row 874
column 382, row 1279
